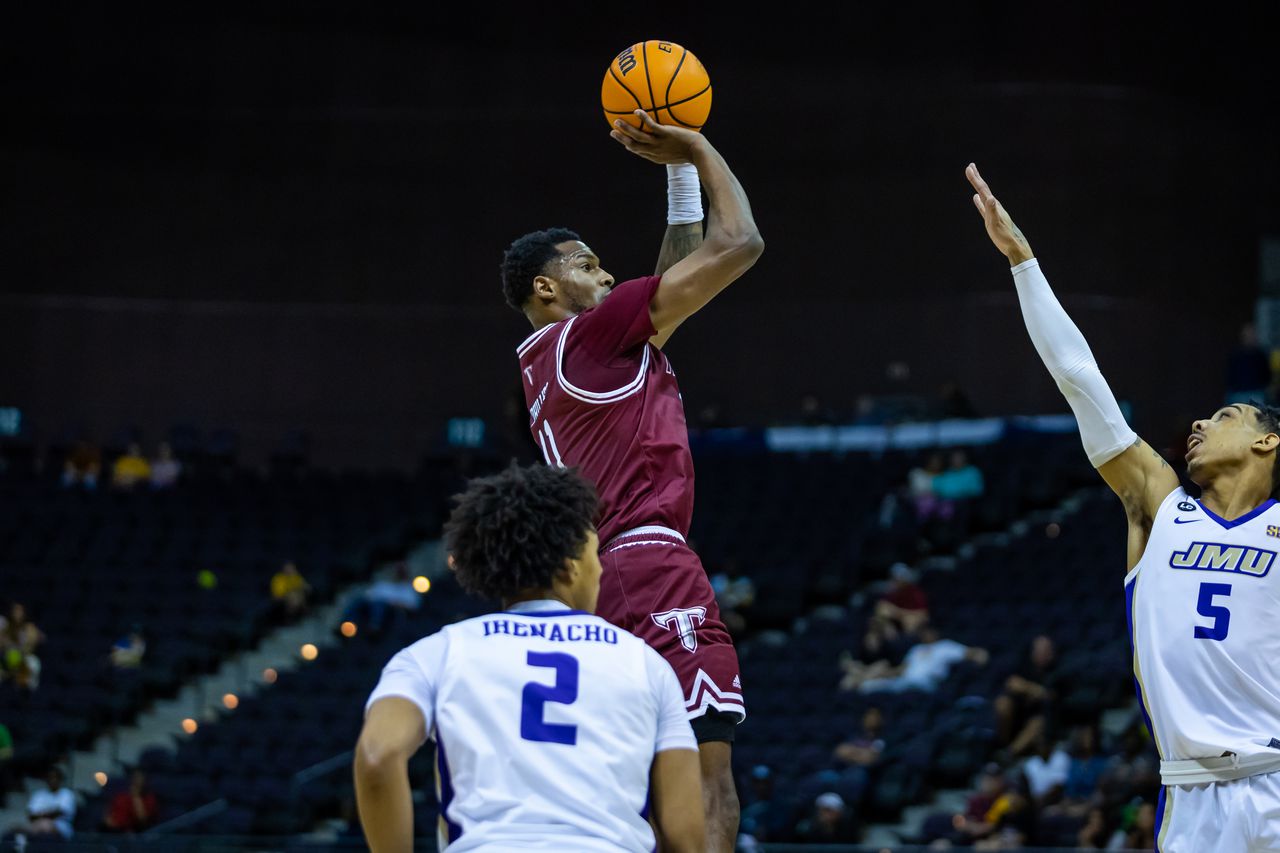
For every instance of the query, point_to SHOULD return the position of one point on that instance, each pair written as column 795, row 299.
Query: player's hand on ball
column 1000, row 228
column 658, row 143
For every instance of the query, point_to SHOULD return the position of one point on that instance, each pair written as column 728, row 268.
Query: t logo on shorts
column 682, row 618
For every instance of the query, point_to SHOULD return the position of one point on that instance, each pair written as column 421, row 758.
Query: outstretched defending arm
column 1134, row 471
column 732, row 243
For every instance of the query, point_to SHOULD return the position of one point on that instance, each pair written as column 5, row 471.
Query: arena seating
column 251, row 756
column 88, row 565
column 808, row 528
column 998, row 597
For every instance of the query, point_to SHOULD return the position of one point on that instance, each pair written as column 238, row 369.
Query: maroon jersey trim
column 597, row 398
column 533, row 339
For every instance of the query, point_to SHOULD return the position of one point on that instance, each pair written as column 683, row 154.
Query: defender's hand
column 657, row 142
column 1000, row 227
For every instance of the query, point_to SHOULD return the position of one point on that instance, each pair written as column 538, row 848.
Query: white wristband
column 684, row 194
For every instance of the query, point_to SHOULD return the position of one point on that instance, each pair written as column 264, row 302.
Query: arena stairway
column 205, row 699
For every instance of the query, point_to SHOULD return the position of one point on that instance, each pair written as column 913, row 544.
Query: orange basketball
column 661, row 78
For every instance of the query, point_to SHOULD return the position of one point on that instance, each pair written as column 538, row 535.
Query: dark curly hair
column 1269, row 421
column 513, row 531
column 526, row 259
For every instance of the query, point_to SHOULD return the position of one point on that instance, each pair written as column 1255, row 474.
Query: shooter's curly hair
column 526, row 259
column 513, row 531
column 1269, row 420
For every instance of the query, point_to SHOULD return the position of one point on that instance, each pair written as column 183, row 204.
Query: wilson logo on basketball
column 626, row 61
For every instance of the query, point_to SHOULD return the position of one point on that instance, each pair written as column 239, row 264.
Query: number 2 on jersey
column 564, row 691
column 1220, row 615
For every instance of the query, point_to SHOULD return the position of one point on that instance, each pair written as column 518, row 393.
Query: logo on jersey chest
column 1273, row 530
column 1215, row 557
column 681, row 620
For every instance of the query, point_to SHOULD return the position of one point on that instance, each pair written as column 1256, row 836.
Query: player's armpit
column 675, row 784
column 1142, row 479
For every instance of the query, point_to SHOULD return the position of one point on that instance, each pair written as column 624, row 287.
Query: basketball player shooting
column 1201, row 599
column 603, row 398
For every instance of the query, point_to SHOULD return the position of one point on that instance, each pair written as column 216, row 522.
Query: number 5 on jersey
column 1220, row 615
column 565, row 691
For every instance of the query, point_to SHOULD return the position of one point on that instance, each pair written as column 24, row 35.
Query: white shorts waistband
column 647, row 531
column 1225, row 768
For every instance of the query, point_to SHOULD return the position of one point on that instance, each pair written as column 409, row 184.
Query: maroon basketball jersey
column 603, row 400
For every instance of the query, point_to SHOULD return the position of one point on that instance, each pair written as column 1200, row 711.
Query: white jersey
column 547, row 721
column 1204, row 619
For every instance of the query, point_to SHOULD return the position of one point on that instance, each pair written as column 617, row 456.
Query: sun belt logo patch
column 681, row 620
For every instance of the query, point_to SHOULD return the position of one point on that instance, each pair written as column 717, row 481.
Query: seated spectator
column 961, row 481
column 132, row 810
column 165, row 468
column 1008, row 823
column 920, row 486
column 83, row 466
column 898, row 614
column 864, row 748
column 925, row 666
column 991, row 786
column 371, row 608
column 1022, row 709
column 1046, row 770
column 130, row 469
column 858, row 755
column 830, row 822
column 904, row 602
column 19, row 639
column 290, row 591
column 51, row 811
column 1086, row 770
column 127, row 652
column 764, row 816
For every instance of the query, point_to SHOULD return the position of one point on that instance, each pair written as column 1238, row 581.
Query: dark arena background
column 252, row 339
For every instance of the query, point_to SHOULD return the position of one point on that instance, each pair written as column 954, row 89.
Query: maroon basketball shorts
column 655, row 587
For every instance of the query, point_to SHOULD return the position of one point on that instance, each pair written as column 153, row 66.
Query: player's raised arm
column 1133, row 470
column 732, row 243
column 393, row 730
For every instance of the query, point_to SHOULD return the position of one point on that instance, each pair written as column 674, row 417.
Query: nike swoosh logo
column 1186, row 520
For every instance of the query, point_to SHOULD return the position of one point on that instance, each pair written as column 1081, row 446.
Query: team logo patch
column 681, row 620
column 1214, row 557
column 1186, row 506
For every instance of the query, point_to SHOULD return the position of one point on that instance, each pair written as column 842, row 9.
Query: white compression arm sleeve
column 1071, row 364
